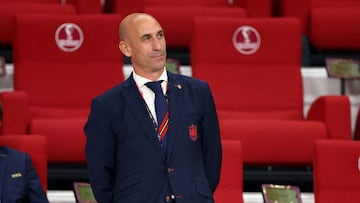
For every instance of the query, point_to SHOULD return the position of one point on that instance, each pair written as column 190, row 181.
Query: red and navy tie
column 161, row 109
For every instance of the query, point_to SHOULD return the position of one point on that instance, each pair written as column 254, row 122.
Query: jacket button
column 167, row 198
column 170, row 170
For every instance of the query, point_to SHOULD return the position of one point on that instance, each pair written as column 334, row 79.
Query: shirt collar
column 140, row 81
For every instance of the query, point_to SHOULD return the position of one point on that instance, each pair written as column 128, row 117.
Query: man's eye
column 160, row 35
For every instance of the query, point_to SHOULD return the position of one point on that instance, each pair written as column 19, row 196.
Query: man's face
column 147, row 45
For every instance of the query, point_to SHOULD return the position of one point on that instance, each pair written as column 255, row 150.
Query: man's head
column 142, row 39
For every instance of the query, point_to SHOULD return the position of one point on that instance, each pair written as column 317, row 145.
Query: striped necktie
column 161, row 109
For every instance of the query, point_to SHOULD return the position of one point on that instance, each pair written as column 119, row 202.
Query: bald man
column 136, row 156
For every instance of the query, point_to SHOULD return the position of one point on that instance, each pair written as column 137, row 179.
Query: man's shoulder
column 114, row 91
column 11, row 152
column 187, row 79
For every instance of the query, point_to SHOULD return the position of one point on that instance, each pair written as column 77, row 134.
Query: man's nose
column 156, row 44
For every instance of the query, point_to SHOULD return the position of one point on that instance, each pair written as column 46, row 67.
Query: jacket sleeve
column 100, row 151
column 211, row 143
column 35, row 190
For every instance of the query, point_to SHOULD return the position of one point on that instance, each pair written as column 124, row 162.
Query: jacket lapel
column 137, row 106
column 175, row 108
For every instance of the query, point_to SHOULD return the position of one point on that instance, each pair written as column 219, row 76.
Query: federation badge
column 69, row 37
column 193, row 132
column 246, row 40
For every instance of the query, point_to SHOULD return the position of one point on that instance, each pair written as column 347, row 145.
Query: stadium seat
column 58, row 68
column 8, row 11
column 230, row 188
column 176, row 16
column 335, row 27
column 329, row 27
column 337, row 171
column 36, row 147
column 303, row 10
column 178, row 26
column 253, row 68
column 254, row 8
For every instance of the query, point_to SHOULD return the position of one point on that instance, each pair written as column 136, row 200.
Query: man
column 19, row 181
column 130, row 158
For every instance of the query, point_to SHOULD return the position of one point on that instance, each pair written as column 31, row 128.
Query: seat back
column 129, row 6
column 337, row 171
column 302, row 9
column 328, row 19
column 63, row 61
column 35, row 146
column 182, row 17
column 230, row 188
column 252, row 65
column 255, row 8
column 8, row 11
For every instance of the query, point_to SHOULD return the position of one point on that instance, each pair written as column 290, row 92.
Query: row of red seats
column 336, row 175
column 330, row 27
column 330, row 24
column 176, row 16
column 178, row 22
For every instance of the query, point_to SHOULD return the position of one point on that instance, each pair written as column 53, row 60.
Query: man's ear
column 125, row 49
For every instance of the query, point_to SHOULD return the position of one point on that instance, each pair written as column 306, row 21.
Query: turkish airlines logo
column 246, row 40
column 69, row 37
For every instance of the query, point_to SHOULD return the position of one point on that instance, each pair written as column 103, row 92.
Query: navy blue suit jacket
column 19, row 181
column 125, row 160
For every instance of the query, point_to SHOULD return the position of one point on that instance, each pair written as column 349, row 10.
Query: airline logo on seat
column 246, row 40
column 69, row 37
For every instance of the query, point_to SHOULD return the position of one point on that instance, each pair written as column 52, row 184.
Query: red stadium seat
column 176, row 16
column 253, row 68
column 337, row 171
column 335, row 27
column 330, row 27
column 230, row 188
column 254, row 8
column 178, row 26
column 36, row 147
column 8, row 11
column 58, row 68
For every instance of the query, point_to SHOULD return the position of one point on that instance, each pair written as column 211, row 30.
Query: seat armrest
column 15, row 112
column 335, row 112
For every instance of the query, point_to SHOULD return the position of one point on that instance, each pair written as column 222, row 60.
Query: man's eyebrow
column 148, row 35
column 145, row 36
